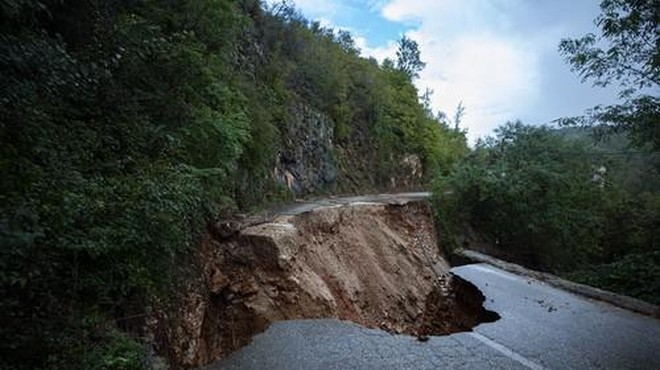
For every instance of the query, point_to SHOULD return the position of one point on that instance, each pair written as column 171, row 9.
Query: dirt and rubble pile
column 377, row 265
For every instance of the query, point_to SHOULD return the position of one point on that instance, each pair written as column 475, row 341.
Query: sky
column 498, row 57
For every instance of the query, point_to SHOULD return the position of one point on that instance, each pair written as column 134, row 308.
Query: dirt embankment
column 377, row 265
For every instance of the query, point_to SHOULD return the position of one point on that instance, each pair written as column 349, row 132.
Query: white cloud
column 318, row 7
column 378, row 52
column 401, row 11
column 471, row 57
column 495, row 78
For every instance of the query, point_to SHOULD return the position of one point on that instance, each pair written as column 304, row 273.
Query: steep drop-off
column 377, row 265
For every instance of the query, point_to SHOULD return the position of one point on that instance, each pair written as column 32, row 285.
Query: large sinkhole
column 378, row 266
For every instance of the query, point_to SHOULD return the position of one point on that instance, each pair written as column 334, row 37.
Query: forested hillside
column 582, row 201
column 128, row 126
column 556, row 200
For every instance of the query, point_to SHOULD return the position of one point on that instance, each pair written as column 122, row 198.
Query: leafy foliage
column 552, row 200
column 531, row 193
column 631, row 56
column 408, row 58
column 625, row 53
column 635, row 275
column 105, row 186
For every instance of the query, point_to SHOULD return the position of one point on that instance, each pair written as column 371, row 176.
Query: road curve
column 541, row 327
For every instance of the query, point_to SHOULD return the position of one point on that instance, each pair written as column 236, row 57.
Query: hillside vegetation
column 553, row 200
column 128, row 126
column 582, row 201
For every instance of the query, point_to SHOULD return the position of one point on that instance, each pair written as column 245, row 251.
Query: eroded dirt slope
column 374, row 264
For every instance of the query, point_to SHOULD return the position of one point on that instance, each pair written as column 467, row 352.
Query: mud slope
column 377, row 265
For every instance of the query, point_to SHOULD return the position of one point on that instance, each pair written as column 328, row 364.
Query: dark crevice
column 453, row 307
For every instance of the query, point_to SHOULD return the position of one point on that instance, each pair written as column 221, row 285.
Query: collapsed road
column 370, row 260
column 541, row 327
column 360, row 283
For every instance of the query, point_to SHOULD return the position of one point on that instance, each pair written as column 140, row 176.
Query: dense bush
column 537, row 195
column 531, row 193
column 117, row 140
column 635, row 275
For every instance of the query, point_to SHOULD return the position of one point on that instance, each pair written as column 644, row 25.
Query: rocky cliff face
column 310, row 161
column 374, row 264
column 306, row 162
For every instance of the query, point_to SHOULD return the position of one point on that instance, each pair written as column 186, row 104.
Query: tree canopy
column 408, row 59
column 553, row 200
column 627, row 53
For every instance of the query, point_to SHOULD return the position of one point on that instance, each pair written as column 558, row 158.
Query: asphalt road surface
column 301, row 207
column 541, row 327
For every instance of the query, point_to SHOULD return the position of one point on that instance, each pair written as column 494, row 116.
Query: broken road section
column 374, row 263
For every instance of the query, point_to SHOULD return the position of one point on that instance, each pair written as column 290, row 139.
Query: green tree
column 627, row 52
column 408, row 58
column 536, row 195
column 347, row 43
column 529, row 191
column 459, row 114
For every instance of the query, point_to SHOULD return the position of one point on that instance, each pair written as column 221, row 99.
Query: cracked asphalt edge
column 618, row 300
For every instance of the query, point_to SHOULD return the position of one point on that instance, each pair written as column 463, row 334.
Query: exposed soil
column 377, row 265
